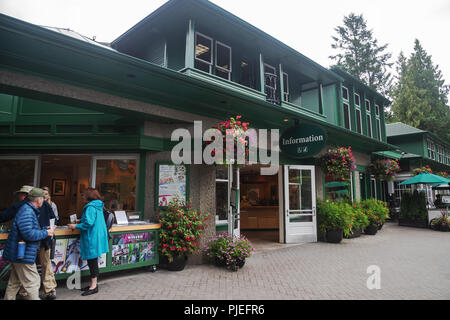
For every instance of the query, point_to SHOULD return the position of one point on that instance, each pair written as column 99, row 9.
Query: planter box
column 413, row 223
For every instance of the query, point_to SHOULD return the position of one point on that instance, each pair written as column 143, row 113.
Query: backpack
column 109, row 220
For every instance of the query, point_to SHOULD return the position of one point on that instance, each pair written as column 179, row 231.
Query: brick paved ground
column 415, row 264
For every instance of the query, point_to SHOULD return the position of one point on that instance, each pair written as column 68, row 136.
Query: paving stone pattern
column 414, row 264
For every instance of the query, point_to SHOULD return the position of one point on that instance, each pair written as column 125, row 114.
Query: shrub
column 413, row 206
column 360, row 219
column 181, row 228
column 335, row 216
column 376, row 211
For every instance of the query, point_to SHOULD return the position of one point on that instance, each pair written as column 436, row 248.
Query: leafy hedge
column 413, row 206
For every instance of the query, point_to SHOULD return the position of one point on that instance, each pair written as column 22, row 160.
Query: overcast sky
column 306, row 26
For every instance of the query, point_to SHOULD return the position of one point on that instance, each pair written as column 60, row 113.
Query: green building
column 420, row 149
column 76, row 113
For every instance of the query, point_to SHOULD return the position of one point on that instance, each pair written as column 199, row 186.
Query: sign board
column 172, row 182
column 445, row 199
column 303, row 141
column 121, row 217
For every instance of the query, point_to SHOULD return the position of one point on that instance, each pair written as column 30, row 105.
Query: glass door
column 300, row 204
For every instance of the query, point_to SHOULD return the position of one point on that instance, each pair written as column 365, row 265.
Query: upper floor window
column 270, row 84
column 358, row 120
column 223, row 60
column 367, row 105
column 377, row 110
column 203, row 52
column 345, row 93
column 286, row 87
column 379, row 129
column 357, row 100
column 431, row 150
column 347, row 116
column 204, row 56
column 369, row 126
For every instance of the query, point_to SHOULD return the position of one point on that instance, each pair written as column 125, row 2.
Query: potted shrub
column 385, row 169
column 360, row 220
column 335, row 219
column 229, row 251
column 377, row 212
column 338, row 162
column 181, row 229
column 441, row 224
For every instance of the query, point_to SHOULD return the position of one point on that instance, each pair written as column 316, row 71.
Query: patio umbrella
column 425, row 178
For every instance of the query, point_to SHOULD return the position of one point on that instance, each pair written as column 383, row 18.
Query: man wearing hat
column 10, row 213
column 25, row 227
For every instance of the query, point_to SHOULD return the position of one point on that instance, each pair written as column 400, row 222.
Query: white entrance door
column 300, row 204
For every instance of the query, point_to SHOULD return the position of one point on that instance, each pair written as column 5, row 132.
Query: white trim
column 377, row 110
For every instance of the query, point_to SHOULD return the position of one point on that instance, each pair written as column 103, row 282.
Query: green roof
column 400, row 129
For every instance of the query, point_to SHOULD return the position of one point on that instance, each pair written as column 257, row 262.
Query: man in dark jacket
column 25, row 227
column 10, row 213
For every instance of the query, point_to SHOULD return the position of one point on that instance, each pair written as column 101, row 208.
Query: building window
column 377, row 110
column 369, row 126
column 373, row 183
column 358, row 121
column 379, row 128
column 223, row 61
column 203, row 52
column 345, row 93
column 222, row 187
column 286, row 87
column 246, row 74
column 357, row 100
column 347, row 116
column 270, row 84
column 367, row 105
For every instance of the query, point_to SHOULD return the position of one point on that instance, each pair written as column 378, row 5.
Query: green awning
column 335, row 184
column 388, row 154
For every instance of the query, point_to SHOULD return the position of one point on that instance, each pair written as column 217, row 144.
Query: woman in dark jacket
column 94, row 236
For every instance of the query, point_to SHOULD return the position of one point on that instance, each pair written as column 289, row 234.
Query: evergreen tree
column 420, row 94
column 360, row 55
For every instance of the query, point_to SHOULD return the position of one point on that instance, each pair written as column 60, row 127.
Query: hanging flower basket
column 443, row 174
column 423, row 169
column 338, row 162
column 238, row 129
column 385, row 169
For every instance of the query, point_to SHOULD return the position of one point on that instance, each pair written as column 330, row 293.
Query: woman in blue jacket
column 94, row 236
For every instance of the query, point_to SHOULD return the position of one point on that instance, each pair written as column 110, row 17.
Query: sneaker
column 49, row 296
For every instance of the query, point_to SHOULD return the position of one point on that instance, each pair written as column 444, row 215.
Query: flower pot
column 334, row 236
column 444, row 228
column 355, row 234
column 380, row 226
column 240, row 263
column 220, row 262
column 371, row 229
column 178, row 263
